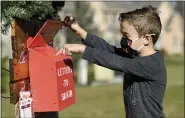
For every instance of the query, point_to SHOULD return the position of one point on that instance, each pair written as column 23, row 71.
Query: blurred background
column 99, row 90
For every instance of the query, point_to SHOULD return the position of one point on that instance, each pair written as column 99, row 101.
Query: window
column 175, row 42
column 110, row 18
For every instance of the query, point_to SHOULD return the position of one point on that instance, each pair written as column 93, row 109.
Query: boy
column 145, row 72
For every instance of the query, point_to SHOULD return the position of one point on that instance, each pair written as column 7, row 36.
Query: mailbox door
column 66, row 86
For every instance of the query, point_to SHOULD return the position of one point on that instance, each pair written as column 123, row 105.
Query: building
column 171, row 40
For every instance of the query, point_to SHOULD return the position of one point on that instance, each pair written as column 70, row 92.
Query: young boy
column 145, row 72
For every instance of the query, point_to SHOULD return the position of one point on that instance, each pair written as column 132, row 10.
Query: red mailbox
column 51, row 76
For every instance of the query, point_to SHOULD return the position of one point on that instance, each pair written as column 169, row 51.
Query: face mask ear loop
column 149, row 35
column 140, row 48
column 135, row 39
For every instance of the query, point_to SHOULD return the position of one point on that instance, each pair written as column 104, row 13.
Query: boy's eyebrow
column 125, row 33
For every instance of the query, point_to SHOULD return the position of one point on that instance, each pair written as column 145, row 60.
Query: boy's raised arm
column 91, row 40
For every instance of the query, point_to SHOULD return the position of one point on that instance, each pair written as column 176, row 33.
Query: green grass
column 174, row 102
column 107, row 101
column 175, row 70
column 174, row 60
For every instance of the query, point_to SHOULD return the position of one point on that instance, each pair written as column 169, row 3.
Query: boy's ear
column 147, row 40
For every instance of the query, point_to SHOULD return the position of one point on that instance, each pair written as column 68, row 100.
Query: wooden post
column 21, row 30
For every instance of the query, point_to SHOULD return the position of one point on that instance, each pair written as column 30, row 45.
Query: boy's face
column 128, row 31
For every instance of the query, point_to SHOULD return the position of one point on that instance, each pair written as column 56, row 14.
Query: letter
column 63, row 96
column 70, row 93
column 67, row 95
column 58, row 72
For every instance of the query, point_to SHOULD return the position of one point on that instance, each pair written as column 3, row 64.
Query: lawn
column 107, row 101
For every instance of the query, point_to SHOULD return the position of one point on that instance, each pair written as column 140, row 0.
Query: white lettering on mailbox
column 64, row 71
column 66, row 95
column 66, row 83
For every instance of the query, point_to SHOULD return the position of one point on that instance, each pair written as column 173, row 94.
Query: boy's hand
column 71, row 22
column 68, row 49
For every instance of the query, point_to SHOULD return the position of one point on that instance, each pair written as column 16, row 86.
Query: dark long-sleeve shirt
column 144, row 79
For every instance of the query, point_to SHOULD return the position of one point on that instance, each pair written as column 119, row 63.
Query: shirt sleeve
column 96, row 42
column 118, row 63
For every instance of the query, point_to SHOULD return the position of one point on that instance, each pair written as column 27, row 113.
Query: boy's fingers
column 68, row 51
column 63, row 51
column 68, row 20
